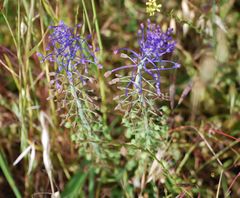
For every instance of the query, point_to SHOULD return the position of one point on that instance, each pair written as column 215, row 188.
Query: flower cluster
column 153, row 44
column 69, row 51
column 152, row 7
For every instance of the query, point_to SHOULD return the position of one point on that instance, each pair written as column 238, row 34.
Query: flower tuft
column 153, row 42
column 153, row 45
column 152, row 7
column 69, row 51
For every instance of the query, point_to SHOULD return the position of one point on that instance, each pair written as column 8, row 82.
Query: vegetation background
column 204, row 124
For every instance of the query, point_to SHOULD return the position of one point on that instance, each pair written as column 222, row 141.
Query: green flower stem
column 79, row 107
column 79, row 103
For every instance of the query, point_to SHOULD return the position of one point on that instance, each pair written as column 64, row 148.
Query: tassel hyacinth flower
column 69, row 51
column 153, row 44
column 72, row 55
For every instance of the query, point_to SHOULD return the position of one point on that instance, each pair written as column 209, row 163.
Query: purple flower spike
column 153, row 44
column 70, row 51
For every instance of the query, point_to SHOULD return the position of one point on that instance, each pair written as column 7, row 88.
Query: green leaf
column 74, row 186
column 7, row 174
column 91, row 182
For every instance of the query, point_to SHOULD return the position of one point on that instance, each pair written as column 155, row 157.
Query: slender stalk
column 100, row 73
column 46, row 65
column 79, row 107
column 78, row 103
column 86, row 15
column 219, row 184
column 10, row 29
column 97, row 27
column 28, row 72
column 214, row 8
column 22, row 90
column 186, row 157
column 146, row 125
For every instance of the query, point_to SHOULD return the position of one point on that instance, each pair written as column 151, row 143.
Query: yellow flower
column 152, row 7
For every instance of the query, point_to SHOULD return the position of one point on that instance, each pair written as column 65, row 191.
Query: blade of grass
column 186, row 157
column 7, row 174
column 219, row 184
column 9, row 69
column 34, row 49
column 22, row 91
column 231, row 185
column 95, row 21
column 49, row 10
column 209, row 147
column 10, row 30
column 74, row 186
column 5, row 3
column 86, row 15
column 15, row 77
column 61, row 161
column 91, row 182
